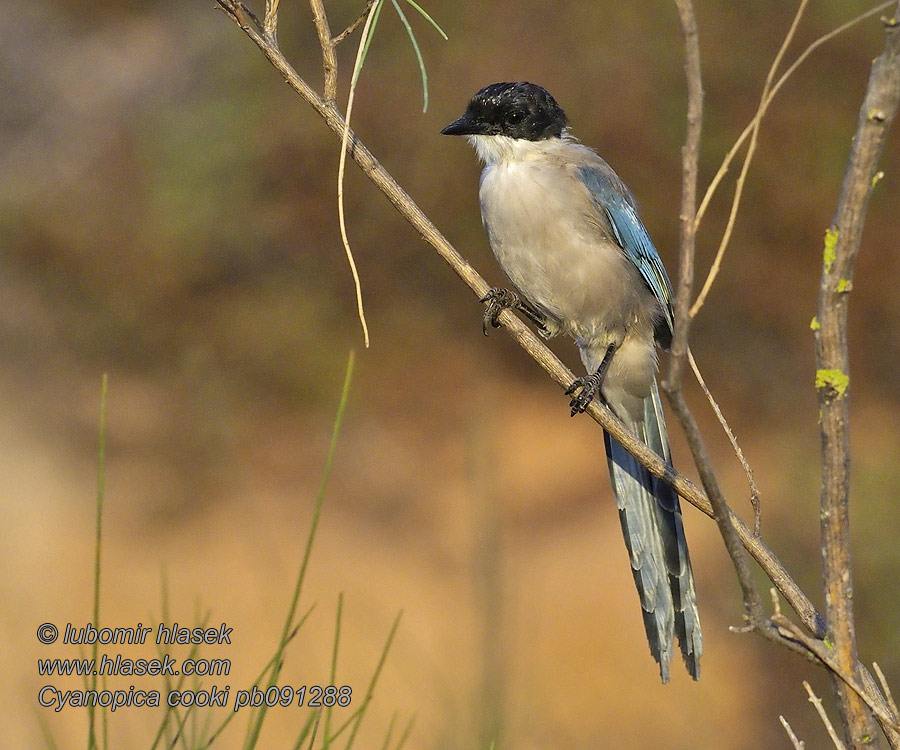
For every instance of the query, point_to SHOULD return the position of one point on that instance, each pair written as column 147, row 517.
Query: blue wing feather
column 615, row 205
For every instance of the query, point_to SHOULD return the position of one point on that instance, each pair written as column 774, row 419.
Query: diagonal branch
column 820, row 709
column 842, row 242
column 355, row 25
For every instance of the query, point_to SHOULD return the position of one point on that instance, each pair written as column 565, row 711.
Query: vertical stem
column 842, row 241
column 98, row 539
column 690, row 158
column 270, row 19
column 329, row 58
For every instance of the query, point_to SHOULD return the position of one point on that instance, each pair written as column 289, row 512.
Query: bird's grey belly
column 561, row 259
column 577, row 276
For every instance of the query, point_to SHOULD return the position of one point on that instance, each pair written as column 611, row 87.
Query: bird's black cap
column 517, row 110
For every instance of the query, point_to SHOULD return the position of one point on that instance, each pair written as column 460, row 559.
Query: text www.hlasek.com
column 119, row 666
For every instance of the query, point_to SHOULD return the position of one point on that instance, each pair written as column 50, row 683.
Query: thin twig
column 679, row 349
column 355, row 25
column 239, row 13
column 824, row 654
column 748, row 158
column 732, row 438
column 329, row 58
column 817, row 702
column 726, row 162
column 798, row 744
column 885, row 688
column 270, row 20
column 842, row 244
column 690, row 159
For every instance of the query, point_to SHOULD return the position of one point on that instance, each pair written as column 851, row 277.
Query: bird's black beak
column 465, row 125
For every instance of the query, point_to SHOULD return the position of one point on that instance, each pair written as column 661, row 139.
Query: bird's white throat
column 497, row 149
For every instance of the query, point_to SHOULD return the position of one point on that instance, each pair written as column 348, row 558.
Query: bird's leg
column 589, row 384
column 497, row 300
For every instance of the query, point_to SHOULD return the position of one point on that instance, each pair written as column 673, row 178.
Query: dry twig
column 748, row 158
column 842, row 243
column 722, row 514
column 798, row 744
column 817, row 702
column 885, row 689
column 753, row 125
column 732, row 438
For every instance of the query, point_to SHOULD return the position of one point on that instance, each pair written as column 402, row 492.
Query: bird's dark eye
column 516, row 116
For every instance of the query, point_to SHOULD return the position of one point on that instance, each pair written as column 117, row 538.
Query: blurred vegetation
column 168, row 213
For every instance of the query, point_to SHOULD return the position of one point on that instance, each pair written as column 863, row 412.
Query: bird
column 566, row 232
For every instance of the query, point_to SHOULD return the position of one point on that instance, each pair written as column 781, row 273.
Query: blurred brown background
column 168, row 216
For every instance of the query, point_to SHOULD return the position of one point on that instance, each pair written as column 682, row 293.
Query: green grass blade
column 332, row 679
column 256, row 725
column 375, row 675
column 45, row 730
column 98, row 528
column 312, row 739
column 386, row 745
column 406, row 732
column 259, row 678
column 415, row 44
column 310, row 720
column 428, row 18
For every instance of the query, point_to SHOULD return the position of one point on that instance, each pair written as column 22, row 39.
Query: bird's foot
column 590, row 387
column 589, row 384
column 498, row 299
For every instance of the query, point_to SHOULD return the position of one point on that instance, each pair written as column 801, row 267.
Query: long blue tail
column 650, row 513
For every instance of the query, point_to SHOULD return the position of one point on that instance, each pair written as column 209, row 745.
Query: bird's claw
column 497, row 300
column 590, row 387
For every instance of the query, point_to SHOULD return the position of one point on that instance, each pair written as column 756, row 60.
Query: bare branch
column 748, row 158
column 239, row 13
column 885, row 689
column 824, row 655
column 329, row 58
column 355, row 25
column 798, row 745
column 672, row 386
column 842, row 242
column 270, row 20
column 817, row 702
column 690, row 158
column 732, row 438
column 726, row 162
